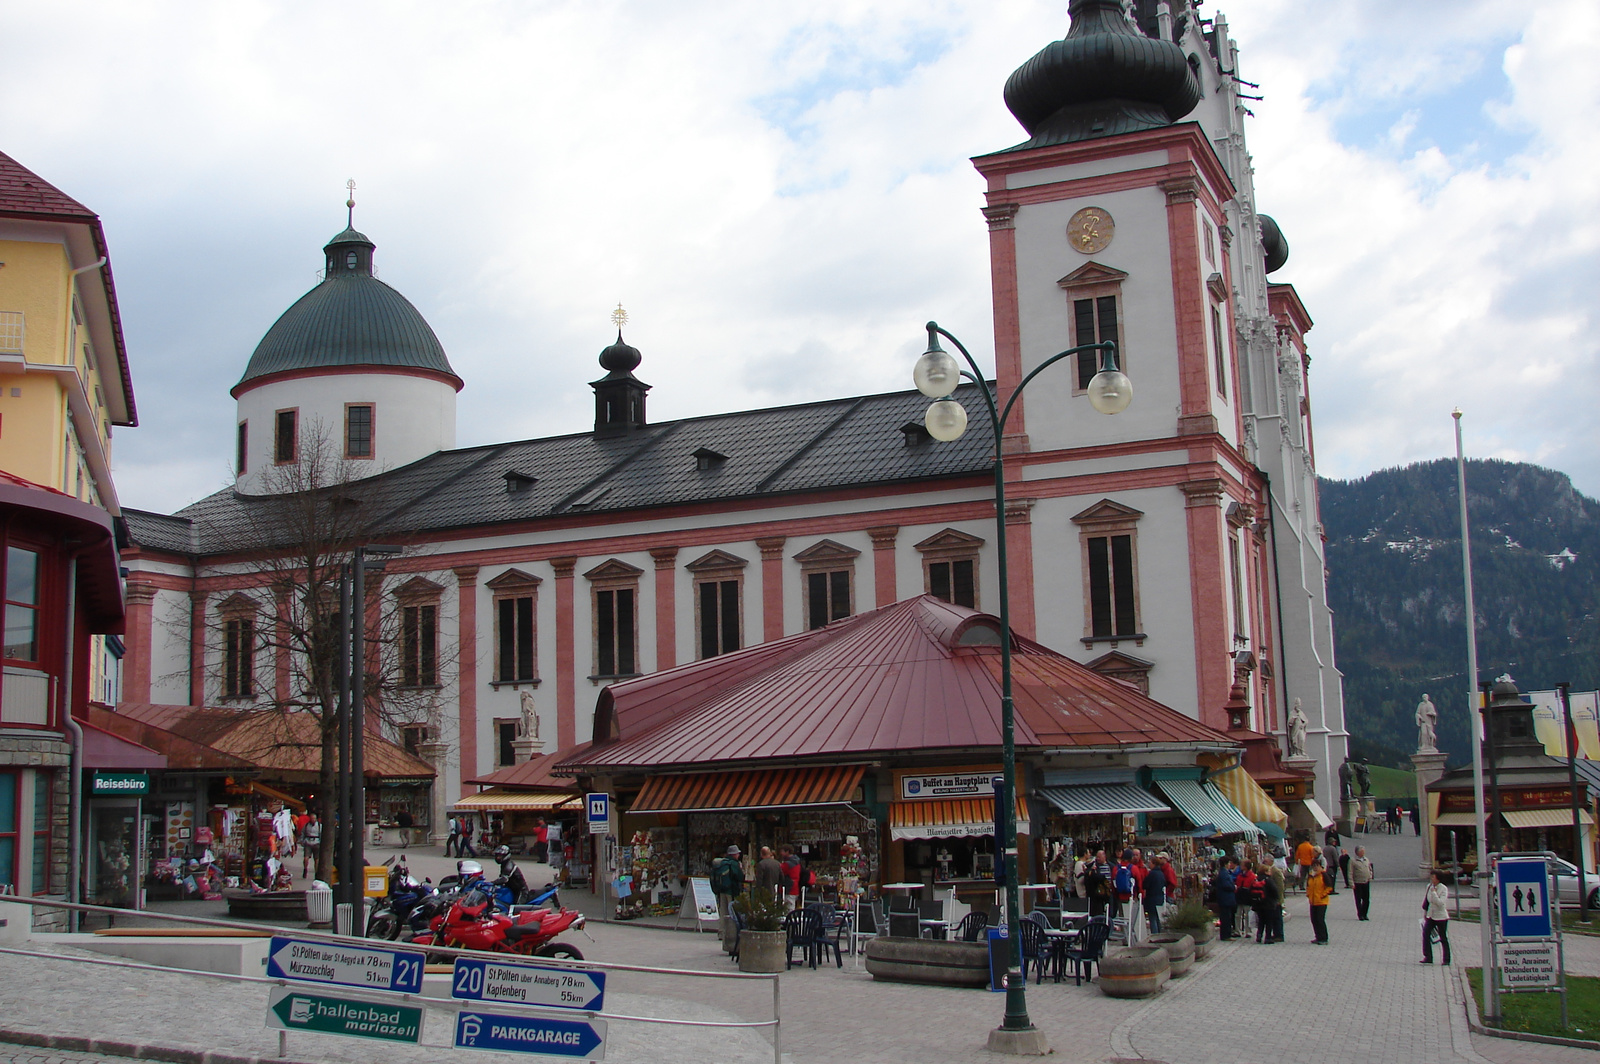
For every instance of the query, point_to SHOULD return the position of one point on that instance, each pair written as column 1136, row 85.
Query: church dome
column 1105, row 78
column 1273, row 243
column 351, row 319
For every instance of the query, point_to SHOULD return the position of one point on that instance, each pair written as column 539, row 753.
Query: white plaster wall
column 412, row 417
column 169, row 648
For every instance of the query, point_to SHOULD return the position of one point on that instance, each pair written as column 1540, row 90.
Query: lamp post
column 936, row 375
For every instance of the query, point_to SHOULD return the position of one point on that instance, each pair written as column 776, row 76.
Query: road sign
column 1524, row 899
column 529, row 1033
column 313, row 961
column 599, row 810
column 291, row 1009
column 1529, row 964
column 527, row 984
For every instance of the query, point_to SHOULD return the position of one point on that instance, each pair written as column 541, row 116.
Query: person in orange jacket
column 1304, row 854
column 1317, row 891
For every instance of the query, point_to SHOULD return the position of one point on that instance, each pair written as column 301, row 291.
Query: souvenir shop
column 235, row 829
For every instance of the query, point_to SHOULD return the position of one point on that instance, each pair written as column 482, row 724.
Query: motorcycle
column 406, row 894
column 471, row 923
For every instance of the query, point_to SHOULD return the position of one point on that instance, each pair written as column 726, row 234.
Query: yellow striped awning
column 785, row 788
column 1246, row 794
column 500, row 799
column 1544, row 818
column 1457, row 820
column 949, row 818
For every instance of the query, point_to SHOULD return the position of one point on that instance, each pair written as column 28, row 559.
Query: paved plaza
column 1363, row 998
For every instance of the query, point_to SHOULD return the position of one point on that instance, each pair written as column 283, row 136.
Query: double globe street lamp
column 936, row 375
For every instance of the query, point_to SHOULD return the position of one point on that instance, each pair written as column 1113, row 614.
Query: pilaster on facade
column 139, row 599
column 197, row 648
column 771, row 548
column 566, row 654
column 467, row 670
column 666, row 559
column 883, row 567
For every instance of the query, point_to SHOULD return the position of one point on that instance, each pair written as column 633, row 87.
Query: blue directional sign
column 333, row 964
column 527, row 984
column 1524, row 899
column 528, row 1033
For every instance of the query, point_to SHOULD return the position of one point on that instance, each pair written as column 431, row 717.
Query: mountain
column 1394, row 580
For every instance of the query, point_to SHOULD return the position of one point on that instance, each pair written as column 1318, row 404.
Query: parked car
column 1566, row 875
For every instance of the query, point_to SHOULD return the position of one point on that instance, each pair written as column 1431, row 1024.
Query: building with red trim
column 1175, row 546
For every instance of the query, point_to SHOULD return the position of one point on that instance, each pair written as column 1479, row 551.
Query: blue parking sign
column 1524, row 887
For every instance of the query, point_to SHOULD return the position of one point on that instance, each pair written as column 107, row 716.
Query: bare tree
column 287, row 551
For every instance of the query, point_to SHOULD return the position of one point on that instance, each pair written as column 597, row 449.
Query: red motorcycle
column 470, row 923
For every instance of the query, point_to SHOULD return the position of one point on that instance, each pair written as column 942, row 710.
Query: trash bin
column 319, row 904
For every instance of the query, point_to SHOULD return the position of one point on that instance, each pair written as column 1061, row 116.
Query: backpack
column 808, row 878
column 723, row 877
column 1124, row 882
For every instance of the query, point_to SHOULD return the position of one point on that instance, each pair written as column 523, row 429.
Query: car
column 1566, row 874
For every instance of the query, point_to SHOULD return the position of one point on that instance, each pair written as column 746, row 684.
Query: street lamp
column 936, row 375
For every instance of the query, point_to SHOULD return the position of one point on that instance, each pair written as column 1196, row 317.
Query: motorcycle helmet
column 468, row 869
column 502, row 853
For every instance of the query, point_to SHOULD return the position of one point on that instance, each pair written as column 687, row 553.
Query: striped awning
column 1203, row 804
column 1092, row 799
column 500, row 799
column 785, row 788
column 949, row 818
column 1544, row 818
column 1247, row 796
column 1318, row 814
column 1457, row 820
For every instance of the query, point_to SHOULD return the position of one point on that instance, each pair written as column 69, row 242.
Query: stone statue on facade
column 1345, row 774
column 530, row 717
column 1363, row 778
column 1427, row 719
column 1297, row 730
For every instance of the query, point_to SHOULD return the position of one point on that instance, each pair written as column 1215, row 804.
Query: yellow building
column 64, row 381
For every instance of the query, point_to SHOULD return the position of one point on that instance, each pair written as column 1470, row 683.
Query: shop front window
column 8, row 829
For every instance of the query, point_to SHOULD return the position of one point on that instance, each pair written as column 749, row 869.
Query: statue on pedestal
column 1363, row 778
column 1297, row 730
column 530, row 718
column 1427, row 718
column 1345, row 774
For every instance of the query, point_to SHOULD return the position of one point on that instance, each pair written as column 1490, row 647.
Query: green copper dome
column 350, row 319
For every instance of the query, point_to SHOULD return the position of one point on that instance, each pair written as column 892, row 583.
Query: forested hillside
column 1394, row 580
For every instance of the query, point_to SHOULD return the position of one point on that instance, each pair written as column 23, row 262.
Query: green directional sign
column 292, row 1009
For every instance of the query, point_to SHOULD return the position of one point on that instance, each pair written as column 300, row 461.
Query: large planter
column 763, row 951
column 1134, row 971
column 1205, row 939
column 1180, row 950
column 930, row 961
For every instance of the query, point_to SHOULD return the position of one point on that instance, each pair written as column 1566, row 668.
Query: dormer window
column 518, row 481
column 705, row 458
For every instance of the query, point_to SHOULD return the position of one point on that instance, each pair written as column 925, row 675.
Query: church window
column 827, row 582
column 953, row 582
column 615, row 588
column 286, row 444
column 241, row 451
column 1236, row 572
column 1219, row 350
column 950, row 566
column 419, row 645
column 515, row 647
column 1109, row 548
column 719, row 616
column 412, row 736
column 350, row 260
column 358, row 430
column 1211, row 243
column 505, row 733
column 1094, row 294
column 239, row 652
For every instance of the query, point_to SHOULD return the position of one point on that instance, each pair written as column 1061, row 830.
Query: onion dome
column 1273, row 243
column 620, row 358
column 350, row 319
column 619, row 396
column 1105, row 78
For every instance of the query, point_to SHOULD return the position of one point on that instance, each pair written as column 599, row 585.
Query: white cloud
column 781, row 197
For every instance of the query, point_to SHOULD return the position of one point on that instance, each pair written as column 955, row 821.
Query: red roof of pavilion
column 904, row 677
column 536, row 773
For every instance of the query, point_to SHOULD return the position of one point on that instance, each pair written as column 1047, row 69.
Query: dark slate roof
column 836, row 443
column 350, row 319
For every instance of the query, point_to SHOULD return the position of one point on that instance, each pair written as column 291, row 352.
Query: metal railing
column 445, row 1004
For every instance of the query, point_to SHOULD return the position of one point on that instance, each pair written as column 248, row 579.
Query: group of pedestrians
column 783, row 873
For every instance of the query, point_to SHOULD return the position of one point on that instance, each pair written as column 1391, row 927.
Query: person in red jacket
column 791, row 875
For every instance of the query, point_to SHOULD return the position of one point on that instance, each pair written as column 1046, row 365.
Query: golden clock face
column 1090, row 230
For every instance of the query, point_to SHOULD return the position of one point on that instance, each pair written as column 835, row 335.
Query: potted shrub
column 1195, row 920
column 762, row 942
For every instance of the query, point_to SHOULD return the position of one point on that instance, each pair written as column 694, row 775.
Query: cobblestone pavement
column 15, row 1054
column 1364, row 994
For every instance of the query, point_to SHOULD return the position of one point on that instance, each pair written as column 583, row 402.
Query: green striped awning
column 1090, row 799
column 1203, row 804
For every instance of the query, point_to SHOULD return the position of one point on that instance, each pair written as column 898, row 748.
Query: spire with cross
column 350, row 204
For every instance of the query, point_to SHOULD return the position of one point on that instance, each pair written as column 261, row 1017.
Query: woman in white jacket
column 1436, row 919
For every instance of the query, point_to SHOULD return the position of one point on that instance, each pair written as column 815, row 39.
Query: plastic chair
column 972, row 926
column 932, row 909
column 828, row 932
column 738, row 928
column 1088, row 950
column 1035, row 948
column 801, row 928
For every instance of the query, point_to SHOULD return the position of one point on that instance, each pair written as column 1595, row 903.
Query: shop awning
column 786, row 788
column 1247, row 796
column 1318, row 814
column 1459, row 820
column 1544, row 818
column 949, row 818
column 1202, row 804
column 101, row 749
column 272, row 792
column 1271, row 830
column 1091, row 799
column 501, row 800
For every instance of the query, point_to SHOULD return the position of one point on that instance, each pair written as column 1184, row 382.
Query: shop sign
column 947, row 785
column 1528, row 964
column 1510, row 798
column 323, row 962
column 525, row 984
column 127, row 784
column 291, row 1009
column 528, row 1033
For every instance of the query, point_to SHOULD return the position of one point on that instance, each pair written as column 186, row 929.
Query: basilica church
column 1175, row 546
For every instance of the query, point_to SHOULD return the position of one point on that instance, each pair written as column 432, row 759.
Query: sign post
column 291, row 1009
column 1527, row 927
column 501, row 1032
column 528, row 984
column 313, row 961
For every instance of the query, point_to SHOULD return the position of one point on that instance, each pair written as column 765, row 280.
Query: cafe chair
column 1035, row 948
column 1086, row 952
column 904, row 925
column 930, row 914
column 828, row 931
column 802, row 929
column 972, row 927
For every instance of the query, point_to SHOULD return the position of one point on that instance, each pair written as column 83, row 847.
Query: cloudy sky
column 781, row 196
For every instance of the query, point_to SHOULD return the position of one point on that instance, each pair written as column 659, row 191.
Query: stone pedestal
column 524, row 750
column 1430, row 766
column 1350, row 808
column 436, row 754
column 1369, row 808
